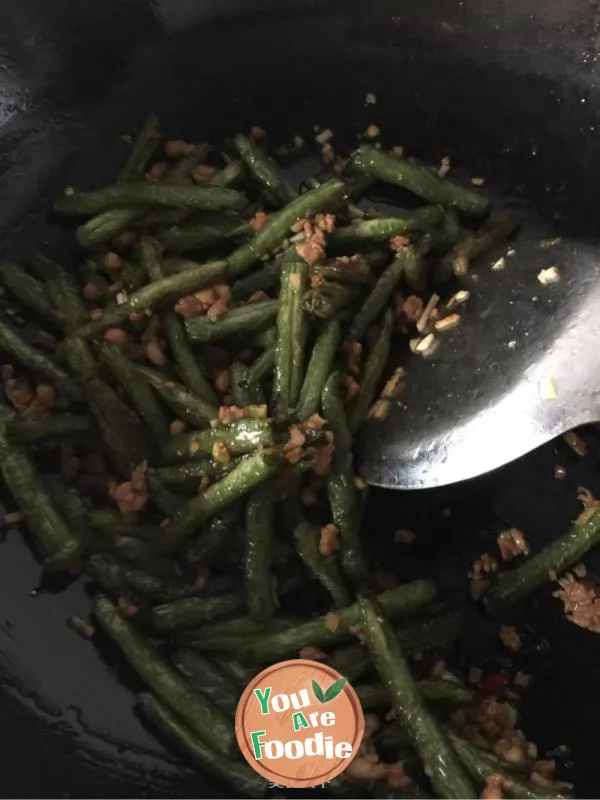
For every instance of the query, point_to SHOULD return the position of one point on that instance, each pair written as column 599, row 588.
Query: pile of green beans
column 226, row 482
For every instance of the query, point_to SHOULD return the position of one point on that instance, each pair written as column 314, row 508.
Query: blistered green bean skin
column 373, row 371
column 238, row 322
column 265, row 169
column 318, row 369
column 258, row 581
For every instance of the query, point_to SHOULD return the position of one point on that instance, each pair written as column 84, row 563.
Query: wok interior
column 506, row 94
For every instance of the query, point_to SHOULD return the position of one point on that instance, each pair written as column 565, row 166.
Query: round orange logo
column 299, row 724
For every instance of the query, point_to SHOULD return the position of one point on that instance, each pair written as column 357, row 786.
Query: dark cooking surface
column 504, row 87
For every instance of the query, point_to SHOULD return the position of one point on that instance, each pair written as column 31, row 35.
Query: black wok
column 509, row 88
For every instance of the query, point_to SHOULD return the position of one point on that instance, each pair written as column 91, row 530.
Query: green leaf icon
column 318, row 692
column 334, row 689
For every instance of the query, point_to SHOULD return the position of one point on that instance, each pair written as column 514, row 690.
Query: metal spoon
column 522, row 367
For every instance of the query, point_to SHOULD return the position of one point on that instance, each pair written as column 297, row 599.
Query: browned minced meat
column 218, row 308
column 512, row 543
column 117, row 336
column 96, row 314
column 495, row 785
column 220, row 452
column 325, row 222
column 259, row 220
column 315, row 422
column 330, row 540
column 409, row 309
column 312, row 653
column 127, row 607
column 352, row 388
column 581, row 602
column 157, row 171
column 478, row 584
column 112, row 261
column 257, row 296
column 322, row 465
column 317, row 280
column 176, row 148
column 294, row 447
column 91, row 292
column 485, row 563
column 190, row 306
column 203, row 173
column 222, row 380
column 364, row 769
column 399, row 242
column 353, row 352
column 510, row 638
column 228, row 413
column 132, row 495
column 312, row 249
column 177, row 426
column 257, row 133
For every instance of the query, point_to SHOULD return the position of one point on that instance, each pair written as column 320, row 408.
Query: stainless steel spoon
column 522, row 367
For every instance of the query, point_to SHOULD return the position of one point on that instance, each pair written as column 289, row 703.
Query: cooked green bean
column 324, row 568
column 235, row 323
column 240, row 436
column 59, row 546
column 258, row 581
column 292, row 331
column 266, row 649
column 108, row 522
column 433, row 633
column 327, row 300
column 236, row 774
column 481, row 765
column 28, row 290
column 242, row 390
column 249, row 473
column 143, row 195
column 191, row 611
column 217, row 538
column 15, row 348
column 556, row 557
column 190, row 472
column 136, row 388
column 280, row 223
column 357, row 234
column 428, row 738
column 319, row 367
column 181, row 171
column 349, row 272
column 419, row 180
column 186, row 363
column 264, row 364
column 209, row 678
column 156, row 294
column 382, row 292
column 106, row 226
column 49, row 428
column 496, row 229
column 373, row 371
column 196, row 710
column 107, row 570
column 141, row 151
column 209, row 230
column 265, row 170
column 261, row 279
column 185, row 404
column 229, row 175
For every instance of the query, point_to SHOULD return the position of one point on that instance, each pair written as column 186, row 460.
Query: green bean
column 49, row 428
column 229, row 175
column 209, row 230
column 496, row 229
column 136, row 388
column 258, row 581
column 261, row 279
column 443, row 238
column 415, row 269
column 318, row 369
column 156, row 294
column 556, row 557
column 58, row 545
column 248, row 474
column 143, row 195
column 432, row 633
column 373, row 371
column 441, row 692
column 107, row 522
column 14, row 347
column 196, row 710
column 327, row 300
column 219, row 636
column 106, row 226
column 112, row 572
column 428, row 738
column 357, row 234
column 191, row 611
column 235, row 323
column 186, row 363
column 280, row 223
column 181, row 171
column 207, row 676
column 264, row 364
column 243, row 392
column 481, row 765
column 291, row 333
column 382, row 292
column 346, row 513
column 190, row 472
column 236, row 774
column 345, row 272
column 240, row 436
column 271, row 647
column 419, row 180
column 28, row 290
column 218, row 537
column 265, row 170
column 141, row 151
column 324, row 568
column 334, row 412
column 185, row 404
column 164, row 498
